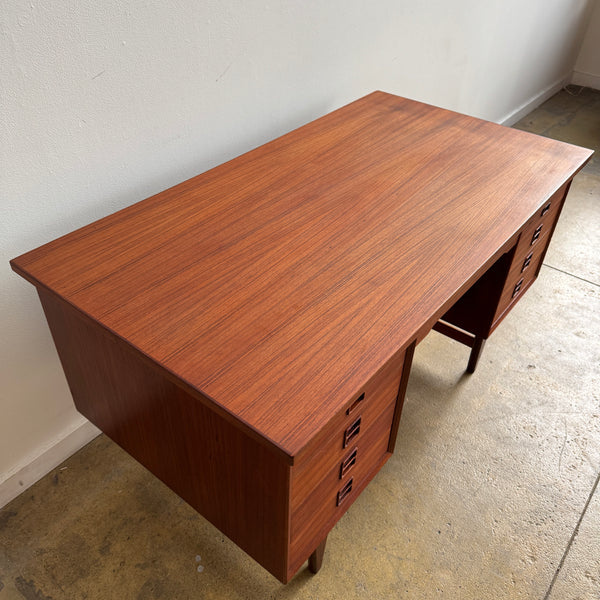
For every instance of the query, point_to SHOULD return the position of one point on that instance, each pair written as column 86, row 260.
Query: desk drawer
column 525, row 264
column 338, row 488
column 335, row 467
column 522, row 273
column 345, row 431
column 540, row 225
column 529, row 253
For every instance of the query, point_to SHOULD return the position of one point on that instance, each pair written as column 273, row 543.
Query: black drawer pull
column 527, row 261
column 517, row 288
column 343, row 493
column 348, row 463
column 355, row 403
column 546, row 209
column 352, row 431
column 536, row 235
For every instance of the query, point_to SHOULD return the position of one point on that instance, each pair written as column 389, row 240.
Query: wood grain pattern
column 316, row 477
column 325, row 452
column 318, row 510
column 235, row 482
column 278, row 283
column 238, row 484
column 481, row 309
column 222, row 330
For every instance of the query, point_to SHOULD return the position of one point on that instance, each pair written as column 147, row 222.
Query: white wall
column 587, row 65
column 105, row 103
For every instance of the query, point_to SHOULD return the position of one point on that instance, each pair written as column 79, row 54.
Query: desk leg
column 475, row 342
column 316, row 558
column 476, row 349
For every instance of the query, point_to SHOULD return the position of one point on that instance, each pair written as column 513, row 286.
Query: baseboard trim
column 586, row 79
column 534, row 102
column 49, row 458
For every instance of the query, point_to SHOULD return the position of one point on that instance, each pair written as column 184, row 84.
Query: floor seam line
column 572, row 538
column 571, row 275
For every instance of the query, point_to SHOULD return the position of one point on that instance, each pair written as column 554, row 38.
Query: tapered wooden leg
column 478, row 344
column 316, row 558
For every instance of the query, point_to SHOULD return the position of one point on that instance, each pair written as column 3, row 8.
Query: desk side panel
column 235, row 482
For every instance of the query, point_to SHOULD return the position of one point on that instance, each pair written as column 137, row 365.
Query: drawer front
column 539, row 227
column 339, row 486
column 533, row 237
column 330, row 473
column 545, row 217
column 522, row 273
column 530, row 250
column 345, row 430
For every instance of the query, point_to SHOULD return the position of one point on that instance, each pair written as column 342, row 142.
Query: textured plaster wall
column 105, row 103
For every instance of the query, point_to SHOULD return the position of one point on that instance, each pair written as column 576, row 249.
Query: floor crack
column 572, row 538
column 571, row 275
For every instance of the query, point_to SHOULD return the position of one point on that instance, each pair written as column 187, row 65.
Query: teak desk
column 247, row 335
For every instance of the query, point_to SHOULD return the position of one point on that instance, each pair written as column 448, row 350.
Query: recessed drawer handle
column 517, row 288
column 343, row 493
column 546, row 209
column 352, row 431
column 348, row 463
column 355, row 404
column 527, row 261
column 536, row 235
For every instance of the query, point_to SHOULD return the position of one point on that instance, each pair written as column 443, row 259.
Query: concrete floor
column 491, row 492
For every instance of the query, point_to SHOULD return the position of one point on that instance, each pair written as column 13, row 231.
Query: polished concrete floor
column 491, row 492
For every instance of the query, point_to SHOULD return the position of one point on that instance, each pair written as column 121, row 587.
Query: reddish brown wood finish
column 316, row 558
column 278, row 283
column 235, row 482
column 408, row 357
column 277, row 513
column 220, row 330
column 454, row 332
column 481, row 309
column 316, row 476
column 533, row 243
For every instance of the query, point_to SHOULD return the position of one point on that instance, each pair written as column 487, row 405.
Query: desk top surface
column 279, row 282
